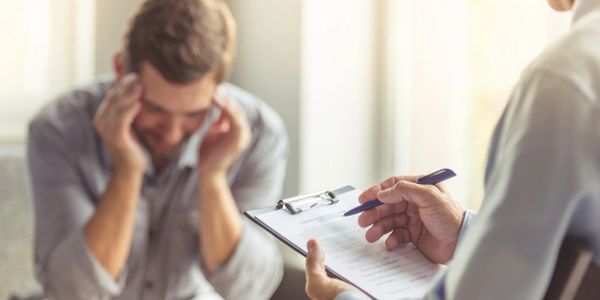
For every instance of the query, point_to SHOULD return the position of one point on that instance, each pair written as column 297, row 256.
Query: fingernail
column 136, row 88
column 310, row 245
column 382, row 193
column 130, row 78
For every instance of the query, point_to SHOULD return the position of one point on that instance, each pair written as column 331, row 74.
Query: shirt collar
column 189, row 152
column 582, row 8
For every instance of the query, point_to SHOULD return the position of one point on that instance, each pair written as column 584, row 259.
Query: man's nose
column 173, row 130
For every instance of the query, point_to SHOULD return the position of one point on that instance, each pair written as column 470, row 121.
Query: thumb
column 421, row 195
column 315, row 260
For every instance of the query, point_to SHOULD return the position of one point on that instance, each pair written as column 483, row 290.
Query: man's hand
column 220, row 224
column 109, row 231
column 113, row 122
column 226, row 139
column 424, row 215
column 318, row 284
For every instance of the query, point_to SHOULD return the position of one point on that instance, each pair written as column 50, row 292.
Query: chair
column 575, row 275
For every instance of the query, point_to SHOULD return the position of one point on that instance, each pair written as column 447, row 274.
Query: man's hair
column 183, row 39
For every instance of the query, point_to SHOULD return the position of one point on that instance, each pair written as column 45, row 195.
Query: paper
column 403, row 273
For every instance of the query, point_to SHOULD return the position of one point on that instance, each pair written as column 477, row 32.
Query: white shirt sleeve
column 535, row 182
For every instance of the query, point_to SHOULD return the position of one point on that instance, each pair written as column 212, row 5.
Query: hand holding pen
column 433, row 179
column 411, row 212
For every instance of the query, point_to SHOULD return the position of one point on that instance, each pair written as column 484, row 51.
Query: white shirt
column 543, row 174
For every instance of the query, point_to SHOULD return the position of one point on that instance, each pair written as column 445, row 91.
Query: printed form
column 403, row 273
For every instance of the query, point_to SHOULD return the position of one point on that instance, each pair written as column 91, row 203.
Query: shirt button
column 149, row 284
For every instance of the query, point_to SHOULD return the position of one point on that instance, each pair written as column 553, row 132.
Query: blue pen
column 433, row 178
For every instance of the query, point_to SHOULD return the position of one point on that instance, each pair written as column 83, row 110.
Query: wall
column 339, row 98
column 268, row 65
column 111, row 20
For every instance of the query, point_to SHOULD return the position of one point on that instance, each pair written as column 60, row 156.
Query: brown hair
column 183, row 39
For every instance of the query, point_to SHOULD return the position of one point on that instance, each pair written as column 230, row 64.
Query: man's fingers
column 127, row 92
column 230, row 109
column 375, row 214
column 385, row 226
column 367, row 218
column 221, row 125
column 126, row 84
column 315, row 260
column 131, row 85
column 397, row 237
column 235, row 116
column 421, row 195
column 371, row 193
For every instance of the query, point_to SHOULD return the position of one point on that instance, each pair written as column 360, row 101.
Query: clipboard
column 296, row 206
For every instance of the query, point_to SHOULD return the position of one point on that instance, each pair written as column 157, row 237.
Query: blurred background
column 367, row 88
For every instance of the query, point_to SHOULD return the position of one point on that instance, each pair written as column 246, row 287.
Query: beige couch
column 16, row 224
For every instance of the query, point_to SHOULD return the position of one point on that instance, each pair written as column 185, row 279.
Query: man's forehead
column 176, row 106
column 176, row 97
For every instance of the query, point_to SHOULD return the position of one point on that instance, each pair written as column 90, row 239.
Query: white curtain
column 48, row 45
column 451, row 67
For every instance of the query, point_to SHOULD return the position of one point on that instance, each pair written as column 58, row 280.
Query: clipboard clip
column 302, row 203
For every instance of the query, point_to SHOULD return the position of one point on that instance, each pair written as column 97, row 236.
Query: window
column 48, row 47
column 451, row 68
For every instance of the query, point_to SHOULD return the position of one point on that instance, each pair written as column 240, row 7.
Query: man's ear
column 118, row 66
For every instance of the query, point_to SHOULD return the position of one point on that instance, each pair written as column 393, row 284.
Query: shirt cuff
column 253, row 271
column 75, row 273
column 438, row 291
column 351, row 295
column 464, row 227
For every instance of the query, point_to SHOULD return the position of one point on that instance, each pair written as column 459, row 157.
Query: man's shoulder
column 262, row 118
column 71, row 111
column 574, row 58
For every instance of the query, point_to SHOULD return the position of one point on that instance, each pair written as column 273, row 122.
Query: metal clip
column 302, row 203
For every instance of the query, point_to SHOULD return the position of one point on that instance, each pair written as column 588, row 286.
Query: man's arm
column 220, row 225
column 76, row 242
column 62, row 208
column 532, row 193
column 109, row 232
column 231, row 247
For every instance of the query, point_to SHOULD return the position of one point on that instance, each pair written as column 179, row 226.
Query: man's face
column 561, row 5
column 171, row 112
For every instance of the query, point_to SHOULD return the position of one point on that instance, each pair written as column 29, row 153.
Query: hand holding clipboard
column 350, row 257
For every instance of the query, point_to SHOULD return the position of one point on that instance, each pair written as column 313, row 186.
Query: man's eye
column 152, row 109
column 194, row 115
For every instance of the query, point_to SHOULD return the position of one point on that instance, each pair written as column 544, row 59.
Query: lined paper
column 403, row 273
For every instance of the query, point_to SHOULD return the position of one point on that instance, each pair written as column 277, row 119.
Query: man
column 138, row 182
column 541, row 185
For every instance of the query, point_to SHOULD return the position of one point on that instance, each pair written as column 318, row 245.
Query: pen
column 433, row 178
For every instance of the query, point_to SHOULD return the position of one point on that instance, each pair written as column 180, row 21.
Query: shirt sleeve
column 351, row 295
column 64, row 265
column 256, row 267
column 464, row 227
column 532, row 191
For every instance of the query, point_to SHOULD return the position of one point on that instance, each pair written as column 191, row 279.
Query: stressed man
column 138, row 181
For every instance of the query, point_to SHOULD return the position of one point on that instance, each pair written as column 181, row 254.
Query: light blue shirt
column 542, row 178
